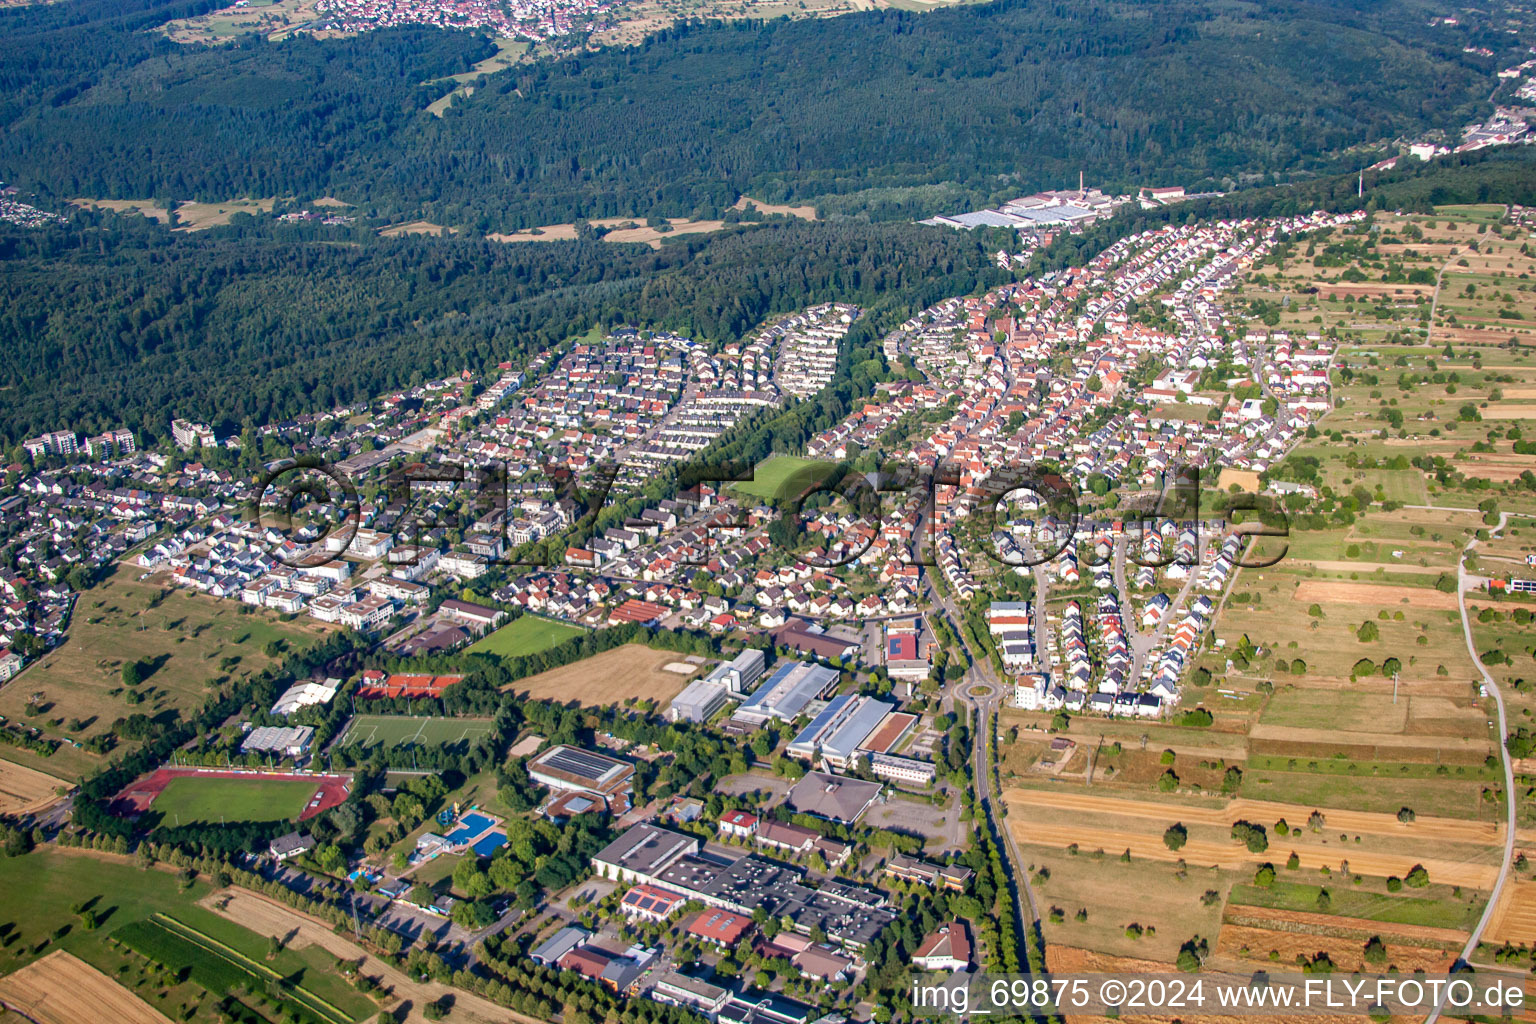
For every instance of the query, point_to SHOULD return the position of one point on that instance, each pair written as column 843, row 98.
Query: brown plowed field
column 61, row 989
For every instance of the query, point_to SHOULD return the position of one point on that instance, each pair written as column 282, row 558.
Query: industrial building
column 698, row 702
column 836, row 734
column 785, row 694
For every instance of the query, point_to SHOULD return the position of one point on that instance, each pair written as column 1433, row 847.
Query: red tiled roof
column 720, row 926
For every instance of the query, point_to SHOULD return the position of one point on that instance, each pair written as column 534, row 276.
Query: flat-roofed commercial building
column 573, row 769
column 837, row 732
column 642, row 853
column 698, row 702
column 786, row 692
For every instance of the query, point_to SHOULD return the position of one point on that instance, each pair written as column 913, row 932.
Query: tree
column 1231, row 779
column 1417, row 877
column 1264, row 877
column 1405, row 815
column 1250, row 835
column 1375, row 950
column 1368, row 632
column 1175, row 836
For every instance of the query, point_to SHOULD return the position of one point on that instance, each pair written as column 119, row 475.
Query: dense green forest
column 100, row 329
column 992, row 98
column 129, row 324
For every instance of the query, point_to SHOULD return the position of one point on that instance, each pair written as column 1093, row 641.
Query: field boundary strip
column 233, row 956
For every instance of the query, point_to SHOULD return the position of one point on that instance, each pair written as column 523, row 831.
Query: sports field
column 412, row 730
column 187, row 799
column 783, row 476
column 527, row 635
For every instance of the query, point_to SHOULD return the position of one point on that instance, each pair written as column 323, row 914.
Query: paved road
column 981, row 690
column 971, row 691
column 1509, row 775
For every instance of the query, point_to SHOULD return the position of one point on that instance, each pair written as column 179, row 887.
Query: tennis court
column 413, row 730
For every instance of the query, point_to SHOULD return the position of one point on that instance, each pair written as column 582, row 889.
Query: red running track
column 136, row 798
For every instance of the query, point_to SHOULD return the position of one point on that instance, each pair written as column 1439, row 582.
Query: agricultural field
column 628, row 229
column 1453, row 852
column 529, row 634
column 147, row 207
column 1113, row 896
column 509, row 52
column 87, row 904
column 62, row 989
column 188, row 799
column 275, row 19
column 412, row 730
column 632, row 672
column 1261, row 935
column 24, row 790
column 783, row 476
column 186, row 645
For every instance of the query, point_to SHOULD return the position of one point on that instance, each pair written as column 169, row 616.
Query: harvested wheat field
column 1372, row 594
column 416, row 227
column 803, row 212
column 1364, row 822
column 653, row 237
column 1076, row 960
column 1247, row 479
column 146, row 207
column 61, row 989
column 1346, row 954
column 1232, row 855
column 1514, row 920
column 1259, row 930
column 25, row 790
column 1070, row 960
column 633, row 671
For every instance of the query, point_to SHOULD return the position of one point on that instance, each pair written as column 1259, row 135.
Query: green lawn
column 412, row 730
column 195, row 799
column 783, row 476
column 1434, row 906
column 527, row 635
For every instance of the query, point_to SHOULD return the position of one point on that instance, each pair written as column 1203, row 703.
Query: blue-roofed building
column 785, row 693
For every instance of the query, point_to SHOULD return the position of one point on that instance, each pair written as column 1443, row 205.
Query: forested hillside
column 98, row 332
column 1002, row 97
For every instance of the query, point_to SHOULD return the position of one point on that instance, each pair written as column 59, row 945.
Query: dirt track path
column 270, row 918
